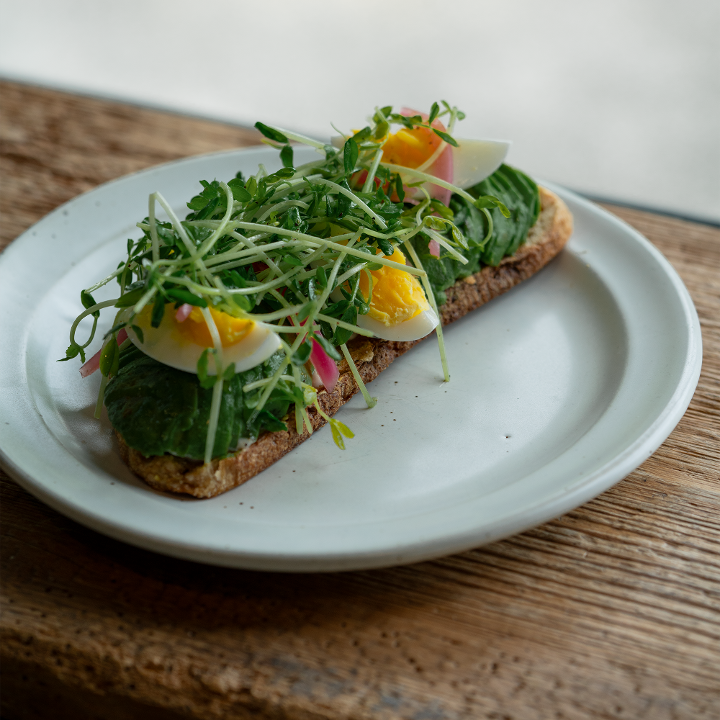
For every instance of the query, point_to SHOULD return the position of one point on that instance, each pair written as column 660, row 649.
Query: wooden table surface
column 610, row 611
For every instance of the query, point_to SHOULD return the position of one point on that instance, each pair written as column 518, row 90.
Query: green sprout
column 285, row 248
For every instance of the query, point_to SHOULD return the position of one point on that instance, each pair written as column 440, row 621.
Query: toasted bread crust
column 168, row 473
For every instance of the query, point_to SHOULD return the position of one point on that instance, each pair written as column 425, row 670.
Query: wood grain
column 611, row 611
column 54, row 146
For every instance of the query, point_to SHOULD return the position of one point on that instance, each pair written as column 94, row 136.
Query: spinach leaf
column 158, row 409
column 521, row 196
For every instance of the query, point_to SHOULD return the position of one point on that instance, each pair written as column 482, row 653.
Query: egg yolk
column 397, row 296
column 410, row 148
column 231, row 329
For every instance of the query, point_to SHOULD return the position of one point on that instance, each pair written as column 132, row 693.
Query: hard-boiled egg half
column 180, row 344
column 422, row 149
column 399, row 309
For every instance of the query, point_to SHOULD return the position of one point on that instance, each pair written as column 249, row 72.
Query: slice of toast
column 169, row 473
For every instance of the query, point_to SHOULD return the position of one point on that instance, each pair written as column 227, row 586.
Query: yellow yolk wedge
column 410, row 148
column 245, row 343
column 399, row 309
column 232, row 330
column 397, row 296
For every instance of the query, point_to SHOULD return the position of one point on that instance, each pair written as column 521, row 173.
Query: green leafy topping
column 287, row 248
column 399, row 189
column 204, row 378
column 302, row 354
column 240, row 194
column 72, row 352
column 286, row 157
column 271, row 133
column 110, row 357
column 158, row 409
column 490, row 235
column 130, row 298
column 444, row 136
column 350, row 155
column 158, row 311
column 338, row 430
column 183, row 296
column 489, row 201
column 88, row 301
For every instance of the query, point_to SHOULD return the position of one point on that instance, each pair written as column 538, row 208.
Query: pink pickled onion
column 93, row 363
column 183, row 312
column 443, row 167
column 434, row 248
column 325, row 366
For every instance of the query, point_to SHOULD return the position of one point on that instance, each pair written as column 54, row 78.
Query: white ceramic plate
column 559, row 389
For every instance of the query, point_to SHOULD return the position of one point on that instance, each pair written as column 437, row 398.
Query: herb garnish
column 287, row 249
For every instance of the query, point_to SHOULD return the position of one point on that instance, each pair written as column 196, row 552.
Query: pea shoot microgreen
column 286, row 248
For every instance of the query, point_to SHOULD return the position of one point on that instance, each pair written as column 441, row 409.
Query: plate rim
column 604, row 477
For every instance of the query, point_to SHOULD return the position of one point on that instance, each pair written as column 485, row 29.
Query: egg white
column 413, row 329
column 168, row 345
column 474, row 160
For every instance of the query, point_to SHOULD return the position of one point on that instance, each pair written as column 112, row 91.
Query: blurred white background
column 620, row 99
